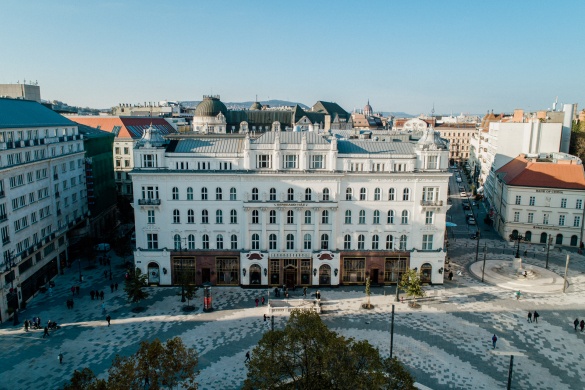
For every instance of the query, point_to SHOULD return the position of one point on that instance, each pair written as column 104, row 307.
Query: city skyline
column 402, row 57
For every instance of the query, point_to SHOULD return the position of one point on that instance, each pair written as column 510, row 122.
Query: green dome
column 210, row 106
column 256, row 106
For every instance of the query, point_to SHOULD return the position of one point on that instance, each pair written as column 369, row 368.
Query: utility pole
column 566, row 270
column 510, row 372
column 477, row 245
column 548, row 249
column 392, row 332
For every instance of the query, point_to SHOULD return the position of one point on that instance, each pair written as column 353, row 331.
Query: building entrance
column 290, row 277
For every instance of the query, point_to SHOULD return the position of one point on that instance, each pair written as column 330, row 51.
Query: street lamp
column 549, row 242
column 517, row 238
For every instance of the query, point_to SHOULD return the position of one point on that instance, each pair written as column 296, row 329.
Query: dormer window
column 148, row 160
column 432, row 162
column 290, row 161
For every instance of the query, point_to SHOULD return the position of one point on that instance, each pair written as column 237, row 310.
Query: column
column 281, row 221
column 298, row 238
column 244, row 229
column 316, row 238
column 263, row 237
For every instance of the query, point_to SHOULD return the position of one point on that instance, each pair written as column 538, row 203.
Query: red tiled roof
column 130, row 127
column 528, row 173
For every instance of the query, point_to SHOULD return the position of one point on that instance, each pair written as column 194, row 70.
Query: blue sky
column 461, row 56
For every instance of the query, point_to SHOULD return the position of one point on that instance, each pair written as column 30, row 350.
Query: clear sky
column 461, row 56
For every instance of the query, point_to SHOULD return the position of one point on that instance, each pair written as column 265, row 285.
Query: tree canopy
column 134, row 286
column 161, row 366
column 307, row 355
column 411, row 284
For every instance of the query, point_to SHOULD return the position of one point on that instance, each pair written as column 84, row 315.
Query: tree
column 307, row 355
column 411, row 284
column 368, row 291
column 86, row 380
column 165, row 366
column 134, row 286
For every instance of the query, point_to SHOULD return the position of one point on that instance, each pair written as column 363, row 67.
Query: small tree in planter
column 368, row 293
column 135, row 287
column 190, row 290
column 411, row 285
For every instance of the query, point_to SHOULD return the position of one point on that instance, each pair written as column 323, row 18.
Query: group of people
column 70, row 304
column 75, row 290
column 580, row 324
column 35, row 323
column 532, row 316
column 262, row 299
column 97, row 294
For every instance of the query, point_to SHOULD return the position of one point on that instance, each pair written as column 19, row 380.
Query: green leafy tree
column 134, row 286
column 163, row 366
column 398, row 377
column 411, row 284
column 307, row 355
column 368, row 291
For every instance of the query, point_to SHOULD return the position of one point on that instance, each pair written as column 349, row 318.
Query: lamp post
column 477, row 244
column 517, row 238
column 549, row 242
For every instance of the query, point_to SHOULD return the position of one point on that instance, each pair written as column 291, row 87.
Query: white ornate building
column 294, row 208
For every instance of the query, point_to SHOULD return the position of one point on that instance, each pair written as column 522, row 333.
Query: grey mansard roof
column 291, row 137
column 206, row 146
column 374, row 147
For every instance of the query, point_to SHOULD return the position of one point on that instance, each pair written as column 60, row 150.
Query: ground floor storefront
column 289, row 269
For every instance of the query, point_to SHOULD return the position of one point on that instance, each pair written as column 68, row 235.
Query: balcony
column 149, row 202
column 436, row 203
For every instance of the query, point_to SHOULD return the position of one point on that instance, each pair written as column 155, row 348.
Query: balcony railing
column 149, row 202
column 431, row 202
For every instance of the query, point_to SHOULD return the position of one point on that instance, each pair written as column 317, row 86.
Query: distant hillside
column 398, row 114
column 246, row 105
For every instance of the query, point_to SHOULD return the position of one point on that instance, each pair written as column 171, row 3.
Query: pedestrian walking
column 494, row 339
column 451, row 275
column 112, row 287
column 529, row 316
column 536, row 315
column 60, row 358
column 26, row 324
column 247, row 357
column 72, row 290
column 265, row 319
column 582, row 325
column 304, row 292
column 108, row 318
column 116, row 286
column 92, row 294
column 103, row 308
column 263, row 300
column 102, row 295
column 46, row 333
column 518, row 293
column 257, row 300
column 576, row 323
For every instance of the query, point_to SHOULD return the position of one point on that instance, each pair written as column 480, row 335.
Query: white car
column 463, row 193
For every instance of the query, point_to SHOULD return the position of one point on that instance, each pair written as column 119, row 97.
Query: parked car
column 471, row 221
column 458, row 180
column 104, row 246
column 463, row 193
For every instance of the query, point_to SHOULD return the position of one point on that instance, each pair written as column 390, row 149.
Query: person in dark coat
column 529, row 316
column 582, row 325
column 536, row 315
column 263, row 300
column 108, row 318
column 494, row 339
column 576, row 323
column 46, row 333
column 92, row 293
column 112, row 287
column 257, row 300
column 102, row 295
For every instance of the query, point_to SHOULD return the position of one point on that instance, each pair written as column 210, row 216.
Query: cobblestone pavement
column 446, row 343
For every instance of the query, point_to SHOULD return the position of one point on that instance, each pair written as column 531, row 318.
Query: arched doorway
column 324, row 275
column 426, row 271
column 559, row 240
column 528, row 236
column 514, row 234
column 574, row 240
column 153, row 273
column 255, row 274
column 543, row 238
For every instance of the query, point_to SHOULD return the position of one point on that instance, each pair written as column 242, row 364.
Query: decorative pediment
column 255, row 256
column 325, row 256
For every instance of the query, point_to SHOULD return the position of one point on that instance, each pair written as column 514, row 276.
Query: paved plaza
column 446, row 343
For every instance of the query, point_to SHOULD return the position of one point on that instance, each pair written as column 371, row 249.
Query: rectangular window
column 432, row 162
column 290, row 161
column 564, row 203
column 545, row 219
column 150, row 216
column 516, row 216
column 427, row 244
column 532, row 201
column 263, row 161
column 561, row 220
column 530, row 217
column 317, row 162
column 577, row 221
column 152, row 240
column 430, row 194
column 579, row 204
column 148, row 161
column 429, row 218
column 518, row 199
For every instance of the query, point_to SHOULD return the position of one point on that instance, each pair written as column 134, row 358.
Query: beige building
column 459, row 137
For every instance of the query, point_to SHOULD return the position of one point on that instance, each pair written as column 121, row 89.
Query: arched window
column 325, row 217
column 189, row 193
column 528, row 236
column 255, row 241
column 204, row 193
column 218, row 194
column 391, row 194
column 272, row 217
column 361, row 241
column 191, row 241
column 389, row 242
column 326, row 194
column 376, row 218
column 254, row 193
column 308, row 194
column 307, row 245
column 377, row 194
column 514, row 234
column 362, row 193
column 375, row 242
column 233, row 193
column 205, row 241
column 218, row 216
column 219, row 241
column 177, row 242
column 290, row 194
column 348, row 193
column 272, row 242
column 404, row 219
column 176, row 216
column 290, row 217
column 390, row 217
column 190, row 216
column 307, row 217
column 255, row 217
column 559, row 240
column 324, row 241
column 403, row 242
column 543, row 238
column 204, row 216
column 273, row 194
column 234, row 240
column 175, row 193
column 347, row 216
column 233, row 216
column 290, row 241
column 406, row 194
column 347, row 242
column 574, row 240
column 362, row 217
column 325, row 274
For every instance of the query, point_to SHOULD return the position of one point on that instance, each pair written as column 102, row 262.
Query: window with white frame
column 290, row 194
column 204, row 216
column 427, row 243
column 189, row 193
column 324, row 241
column 290, row 217
column 545, row 219
column 176, row 216
column 233, row 193
column 376, row 217
column 347, row 242
column 191, row 241
column 516, row 216
column 150, row 214
column 361, row 242
column 377, row 194
column 272, row 242
column 518, row 199
column 564, row 203
column 290, row 241
column 272, row 194
column 348, row 193
column 255, row 216
column 290, row 161
column 263, row 161
column 152, row 241
column 347, row 217
column 403, row 242
column 432, row 162
column 254, row 193
column 390, row 217
column 234, row 241
column 561, row 220
column 389, row 242
column 325, row 194
column 219, row 241
column 406, row 194
column 307, row 241
column 375, row 242
column 308, row 194
column 307, row 217
column 404, row 219
column 579, row 204
column 190, row 216
column 532, row 200
column 205, row 241
column 577, row 221
column 362, row 217
column 362, row 193
column 255, row 241
column 272, row 217
column 218, row 216
column 429, row 217
column 317, row 162
column 233, row 216
column 391, row 194
column 325, row 217
column 530, row 218
column 430, row 194
column 204, row 193
column 218, row 194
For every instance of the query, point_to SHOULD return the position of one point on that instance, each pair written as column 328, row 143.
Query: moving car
column 463, row 193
